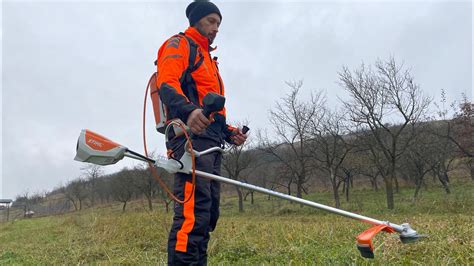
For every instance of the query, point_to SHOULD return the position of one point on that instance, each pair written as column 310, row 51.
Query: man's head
column 205, row 17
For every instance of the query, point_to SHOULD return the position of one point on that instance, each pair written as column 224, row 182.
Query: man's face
column 208, row 26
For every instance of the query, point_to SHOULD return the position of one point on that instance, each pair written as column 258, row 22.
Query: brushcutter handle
column 212, row 102
column 245, row 129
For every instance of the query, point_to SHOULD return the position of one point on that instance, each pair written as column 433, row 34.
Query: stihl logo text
column 95, row 142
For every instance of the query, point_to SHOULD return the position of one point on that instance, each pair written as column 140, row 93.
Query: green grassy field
column 269, row 232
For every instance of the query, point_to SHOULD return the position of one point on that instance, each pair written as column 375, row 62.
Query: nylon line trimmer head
column 364, row 240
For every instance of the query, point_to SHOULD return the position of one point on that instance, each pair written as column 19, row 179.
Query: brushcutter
column 96, row 149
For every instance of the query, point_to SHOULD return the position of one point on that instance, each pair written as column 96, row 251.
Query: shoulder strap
column 193, row 50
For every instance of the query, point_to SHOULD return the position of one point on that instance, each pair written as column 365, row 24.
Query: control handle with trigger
column 212, row 102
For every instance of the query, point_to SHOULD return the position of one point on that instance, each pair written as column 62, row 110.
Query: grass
column 269, row 232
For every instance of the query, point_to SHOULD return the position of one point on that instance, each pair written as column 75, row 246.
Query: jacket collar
column 199, row 39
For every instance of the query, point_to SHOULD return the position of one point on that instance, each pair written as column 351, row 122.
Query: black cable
column 141, row 156
column 175, row 149
column 180, row 163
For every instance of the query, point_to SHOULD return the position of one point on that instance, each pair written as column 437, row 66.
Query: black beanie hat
column 199, row 9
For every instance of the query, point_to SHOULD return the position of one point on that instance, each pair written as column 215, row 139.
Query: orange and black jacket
column 183, row 84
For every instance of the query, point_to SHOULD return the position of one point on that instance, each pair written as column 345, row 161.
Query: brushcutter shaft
column 94, row 148
column 398, row 228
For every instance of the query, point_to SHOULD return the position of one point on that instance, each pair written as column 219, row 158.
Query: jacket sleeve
column 172, row 62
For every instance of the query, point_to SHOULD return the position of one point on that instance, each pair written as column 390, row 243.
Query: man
column 186, row 73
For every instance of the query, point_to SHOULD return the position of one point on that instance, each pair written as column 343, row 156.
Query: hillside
column 269, row 232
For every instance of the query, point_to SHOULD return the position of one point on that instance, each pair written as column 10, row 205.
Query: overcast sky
column 82, row 64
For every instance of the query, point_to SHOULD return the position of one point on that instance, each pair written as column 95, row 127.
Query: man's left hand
column 238, row 138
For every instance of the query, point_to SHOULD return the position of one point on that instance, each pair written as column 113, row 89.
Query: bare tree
column 167, row 178
column 145, row 182
column 387, row 103
column 361, row 163
column 76, row 192
column 329, row 147
column 448, row 134
column 443, row 162
column 444, row 153
column 350, row 168
column 22, row 201
column 347, row 176
column 122, row 188
column 265, row 173
column 464, row 139
column 291, row 120
column 92, row 172
column 102, row 187
column 235, row 161
column 460, row 130
column 420, row 159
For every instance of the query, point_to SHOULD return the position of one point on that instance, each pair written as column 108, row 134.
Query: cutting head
column 94, row 148
column 409, row 235
column 364, row 240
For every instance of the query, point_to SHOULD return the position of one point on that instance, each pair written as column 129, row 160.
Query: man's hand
column 197, row 122
column 238, row 138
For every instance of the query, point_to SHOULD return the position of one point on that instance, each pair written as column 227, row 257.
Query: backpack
column 159, row 108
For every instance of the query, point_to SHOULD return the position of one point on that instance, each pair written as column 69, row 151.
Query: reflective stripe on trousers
column 192, row 222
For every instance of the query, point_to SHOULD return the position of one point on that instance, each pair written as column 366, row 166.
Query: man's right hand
column 197, row 122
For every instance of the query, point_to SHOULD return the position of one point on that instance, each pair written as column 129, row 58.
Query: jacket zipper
column 217, row 74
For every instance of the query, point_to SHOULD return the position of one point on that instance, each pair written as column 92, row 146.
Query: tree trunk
column 251, row 198
column 74, row 204
column 417, row 188
column 150, row 204
column 443, row 179
column 167, row 204
column 445, row 174
column 347, row 192
column 336, row 195
column 344, row 187
column 80, row 204
column 389, row 192
column 93, row 196
column 347, row 184
column 397, row 189
column 241, row 199
column 299, row 190
column 335, row 188
column 373, row 181
column 124, row 205
column 471, row 166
